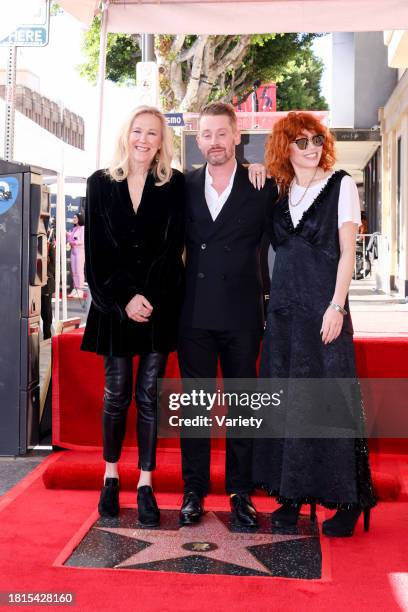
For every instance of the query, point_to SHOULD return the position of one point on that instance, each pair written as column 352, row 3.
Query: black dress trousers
column 198, row 353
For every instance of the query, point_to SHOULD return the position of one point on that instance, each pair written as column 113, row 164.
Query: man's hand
column 331, row 325
column 139, row 309
column 257, row 175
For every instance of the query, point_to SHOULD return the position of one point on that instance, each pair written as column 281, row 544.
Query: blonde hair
column 118, row 169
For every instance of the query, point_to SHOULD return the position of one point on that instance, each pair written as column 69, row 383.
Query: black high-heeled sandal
column 109, row 499
column 287, row 515
column 148, row 511
column 342, row 524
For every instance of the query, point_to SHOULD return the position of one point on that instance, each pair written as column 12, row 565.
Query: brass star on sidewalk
column 210, row 538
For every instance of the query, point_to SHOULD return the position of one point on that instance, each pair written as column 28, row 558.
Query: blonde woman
column 133, row 249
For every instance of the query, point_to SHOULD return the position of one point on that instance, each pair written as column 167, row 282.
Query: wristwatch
column 338, row 308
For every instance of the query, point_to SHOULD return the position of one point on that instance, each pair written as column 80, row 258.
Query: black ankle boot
column 286, row 516
column 109, row 499
column 148, row 511
column 342, row 524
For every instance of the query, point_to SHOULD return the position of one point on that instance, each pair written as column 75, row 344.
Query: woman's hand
column 331, row 325
column 257, row 175
column 139, row 309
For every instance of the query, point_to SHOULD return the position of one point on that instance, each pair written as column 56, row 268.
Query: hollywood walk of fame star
column 210, row 538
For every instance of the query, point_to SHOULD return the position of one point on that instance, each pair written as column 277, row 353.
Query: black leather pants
column 117, row 399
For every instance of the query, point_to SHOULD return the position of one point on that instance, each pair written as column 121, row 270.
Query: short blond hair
column 118, row 169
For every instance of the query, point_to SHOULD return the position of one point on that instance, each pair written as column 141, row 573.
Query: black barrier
column 23, row 270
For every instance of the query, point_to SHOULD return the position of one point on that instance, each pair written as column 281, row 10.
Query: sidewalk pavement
column 373, row 313
column 377, row 314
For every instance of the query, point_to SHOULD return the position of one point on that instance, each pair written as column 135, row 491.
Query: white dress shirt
column 214, row 201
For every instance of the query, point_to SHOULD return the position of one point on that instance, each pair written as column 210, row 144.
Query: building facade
column 362, row 82
column 48, row 114
column 394, row 130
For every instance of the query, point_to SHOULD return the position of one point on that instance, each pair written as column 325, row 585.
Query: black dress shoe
column 148, row 511
column 342, row 524
column 109, row 499
column 191, row 510
column 243, row 511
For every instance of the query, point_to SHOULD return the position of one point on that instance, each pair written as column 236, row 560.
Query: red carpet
column 77, row 383
column 77, row 404
column 84, row 470
column 368, row 571
column 41, row 524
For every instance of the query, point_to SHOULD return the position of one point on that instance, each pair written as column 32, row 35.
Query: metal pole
column 63, row 239
column 63, row 236
column 58, row 250
column 101, row 78
column 10, row 103
column 148, row 48
column 60, row 233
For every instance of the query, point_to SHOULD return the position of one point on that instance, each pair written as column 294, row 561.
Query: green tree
column 55, row 9
column 196, row 69
column 298, row 86
column 122, row 54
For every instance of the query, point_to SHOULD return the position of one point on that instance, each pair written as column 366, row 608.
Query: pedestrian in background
column 76, row 240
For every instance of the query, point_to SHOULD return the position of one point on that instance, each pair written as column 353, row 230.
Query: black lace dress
column 332, row 471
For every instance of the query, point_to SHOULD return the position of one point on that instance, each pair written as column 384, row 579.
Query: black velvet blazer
column 128, row 253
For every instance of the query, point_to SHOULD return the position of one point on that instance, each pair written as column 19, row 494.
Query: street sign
column 29, row 26
column 27, row 36
column 175, row 119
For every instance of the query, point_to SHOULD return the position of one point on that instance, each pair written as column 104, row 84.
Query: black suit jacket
column 223, row 276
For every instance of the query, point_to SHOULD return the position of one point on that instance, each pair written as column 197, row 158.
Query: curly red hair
column 284, row 132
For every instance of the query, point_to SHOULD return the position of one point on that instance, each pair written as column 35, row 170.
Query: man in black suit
column 222, row 315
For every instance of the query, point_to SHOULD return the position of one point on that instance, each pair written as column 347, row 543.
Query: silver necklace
column 304, row 193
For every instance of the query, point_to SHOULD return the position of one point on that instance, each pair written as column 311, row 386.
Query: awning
column 354, row 149
column 246, row 17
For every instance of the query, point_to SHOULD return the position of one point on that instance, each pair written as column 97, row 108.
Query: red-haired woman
column 315, row 452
